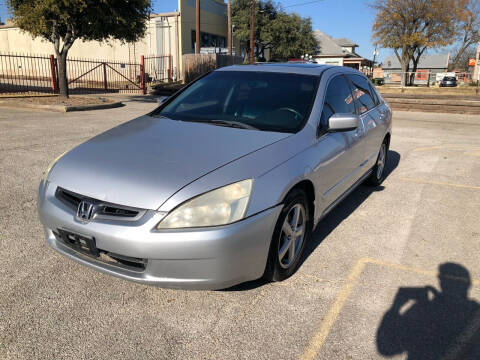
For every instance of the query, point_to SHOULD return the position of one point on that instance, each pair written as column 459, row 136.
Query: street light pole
column 252, row 31
column 229, row 15
column 197, row 26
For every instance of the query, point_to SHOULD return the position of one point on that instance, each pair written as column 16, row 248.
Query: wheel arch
column 307, row 186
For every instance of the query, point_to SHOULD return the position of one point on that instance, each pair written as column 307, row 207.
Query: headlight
column 50, row 167
column 217, row 207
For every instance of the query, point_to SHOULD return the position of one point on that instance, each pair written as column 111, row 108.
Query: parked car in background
column 223, row 182
column 448, row 81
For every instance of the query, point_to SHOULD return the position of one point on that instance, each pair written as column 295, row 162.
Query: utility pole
column 252, row 32
column 229, row 15
column 197, row 26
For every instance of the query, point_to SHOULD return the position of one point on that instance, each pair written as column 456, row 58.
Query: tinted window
column 362, row 93
column 338, row 99
column 374, row 94
column 263, row 100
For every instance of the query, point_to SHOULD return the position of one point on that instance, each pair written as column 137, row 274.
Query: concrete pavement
column 339, row 305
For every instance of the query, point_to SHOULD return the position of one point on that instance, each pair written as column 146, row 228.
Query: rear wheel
column 291, row 233
column 378, row 171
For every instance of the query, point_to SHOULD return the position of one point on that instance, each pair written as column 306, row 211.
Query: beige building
column 167, row 34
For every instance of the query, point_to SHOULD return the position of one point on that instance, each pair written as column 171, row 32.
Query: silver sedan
column 224, row 181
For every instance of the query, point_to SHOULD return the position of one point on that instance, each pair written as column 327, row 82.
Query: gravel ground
column 336, row 306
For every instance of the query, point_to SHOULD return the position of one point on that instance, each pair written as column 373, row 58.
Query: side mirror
column 343, row 122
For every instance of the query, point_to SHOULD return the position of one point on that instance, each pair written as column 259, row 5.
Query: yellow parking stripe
column 316, row 343
column 319, row 338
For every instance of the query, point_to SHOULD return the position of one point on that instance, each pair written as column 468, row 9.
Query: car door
column 340, row 154
column 367, row 106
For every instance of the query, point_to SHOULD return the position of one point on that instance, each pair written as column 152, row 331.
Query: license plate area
column 80, row 243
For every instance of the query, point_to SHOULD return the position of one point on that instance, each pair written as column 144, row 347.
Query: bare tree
column 410, row 27
column 468, row 30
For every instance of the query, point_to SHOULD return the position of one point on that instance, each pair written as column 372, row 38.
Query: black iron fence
column 25, row 74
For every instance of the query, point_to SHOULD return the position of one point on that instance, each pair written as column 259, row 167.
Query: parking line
column 318, row 339
column 433, row 182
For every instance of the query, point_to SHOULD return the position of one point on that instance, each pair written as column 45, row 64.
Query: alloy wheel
column 292, row 236
column 381, row 160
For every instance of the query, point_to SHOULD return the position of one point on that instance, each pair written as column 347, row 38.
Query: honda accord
column 224, row 181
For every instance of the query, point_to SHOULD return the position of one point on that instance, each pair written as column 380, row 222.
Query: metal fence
column 34, row 74
column 159, row 69
column 425, row 77
column 26, row 74
column 87, row 76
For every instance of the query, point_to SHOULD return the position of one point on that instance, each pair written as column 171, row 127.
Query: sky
column 338, row 18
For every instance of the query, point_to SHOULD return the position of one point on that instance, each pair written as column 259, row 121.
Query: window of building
column 209, row 40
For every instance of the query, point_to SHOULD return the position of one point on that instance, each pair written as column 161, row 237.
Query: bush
column 378, row 81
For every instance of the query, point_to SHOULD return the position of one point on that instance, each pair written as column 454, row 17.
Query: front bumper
column 202, row 258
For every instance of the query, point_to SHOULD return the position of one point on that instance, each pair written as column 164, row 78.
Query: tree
column 62, row 22
column 291, row 36
column 460, row 57
column 410, row 27
column 285, row 35
column 468, row 31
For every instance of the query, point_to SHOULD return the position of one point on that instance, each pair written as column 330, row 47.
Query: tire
column 280, row 267
column 378, row 171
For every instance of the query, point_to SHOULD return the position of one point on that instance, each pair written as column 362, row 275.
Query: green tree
column 285, row 35
column 291, row 36
column 62, row 22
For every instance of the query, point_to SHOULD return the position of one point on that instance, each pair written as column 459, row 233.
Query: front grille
column 102, row 209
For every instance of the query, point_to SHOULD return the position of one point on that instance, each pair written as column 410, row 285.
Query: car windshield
column 252, row 100
column 449, row 78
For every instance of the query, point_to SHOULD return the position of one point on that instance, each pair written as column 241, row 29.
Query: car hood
column 145, row 161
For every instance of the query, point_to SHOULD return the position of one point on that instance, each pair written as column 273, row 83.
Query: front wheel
column 291, row 232
column 378, row 171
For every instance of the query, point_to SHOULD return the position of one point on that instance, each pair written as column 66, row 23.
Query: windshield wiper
column 234, row 124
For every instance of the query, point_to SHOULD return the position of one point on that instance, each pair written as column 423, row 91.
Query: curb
column 459, row 103
column 62, row 108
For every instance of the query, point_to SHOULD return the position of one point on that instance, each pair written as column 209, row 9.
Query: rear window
column 265, row 101
column 449, row 78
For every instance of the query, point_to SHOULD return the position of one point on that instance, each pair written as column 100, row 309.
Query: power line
column 305, row 3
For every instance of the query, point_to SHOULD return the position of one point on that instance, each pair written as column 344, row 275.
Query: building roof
column 437, row 61
column 329, row 46
column 345, row 42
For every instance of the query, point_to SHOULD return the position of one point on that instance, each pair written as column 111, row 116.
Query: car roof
column 290, row 68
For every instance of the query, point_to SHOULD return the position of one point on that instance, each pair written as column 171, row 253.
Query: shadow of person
column 426, row 323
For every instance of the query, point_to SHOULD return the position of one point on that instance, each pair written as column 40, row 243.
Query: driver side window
column 338, row 100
